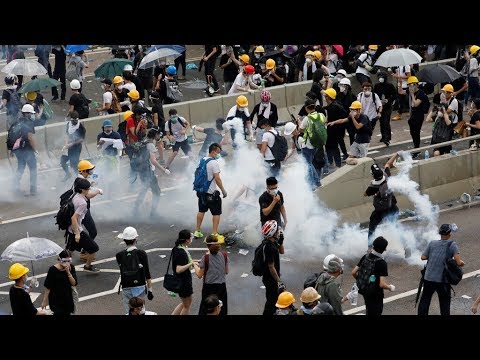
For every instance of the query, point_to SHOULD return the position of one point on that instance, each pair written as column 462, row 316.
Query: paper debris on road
column 244, row 275
column 162, row 256
column 262, row 287
column 466, row 297
column 285, row 259
column 172, row 225
column 243, row 251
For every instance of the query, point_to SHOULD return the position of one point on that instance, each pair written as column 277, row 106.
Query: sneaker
column 55, row 98
column 91, row 268
column 381, row 140
column 474, row 147
column 397, row 117
column 387, row 143
column 197, row 235
column 180, row 77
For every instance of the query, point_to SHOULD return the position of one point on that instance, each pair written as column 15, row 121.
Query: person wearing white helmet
column 75, row 66
column 345, row 97
column 291, row 131
column 135, row 278
column 132, row 79
column 78, row 102
column 23, row 145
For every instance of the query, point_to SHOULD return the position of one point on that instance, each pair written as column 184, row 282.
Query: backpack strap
column 207, row 261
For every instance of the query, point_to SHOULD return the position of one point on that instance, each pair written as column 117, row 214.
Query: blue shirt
column 436, row 252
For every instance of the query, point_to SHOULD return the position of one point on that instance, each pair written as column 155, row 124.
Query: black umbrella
column 273, row 54
column 438, row 73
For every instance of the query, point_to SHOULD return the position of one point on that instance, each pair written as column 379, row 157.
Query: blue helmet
column 171, row 70
column 107, row 122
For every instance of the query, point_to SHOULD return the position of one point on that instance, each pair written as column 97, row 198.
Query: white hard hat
column 129, row 233
column 343, row 72
column 345, row 82
column 289, row 128
column 75, row 84
column 128, row 67
column 332, row 263
column 27, row 108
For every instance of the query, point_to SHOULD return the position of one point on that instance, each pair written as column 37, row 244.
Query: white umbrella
column 25, row 67
column 153, row 58
column 398, row 57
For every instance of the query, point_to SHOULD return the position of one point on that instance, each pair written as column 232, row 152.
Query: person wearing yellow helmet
column 273, row 75
column 308, row 67
column 420, row 105
column 335, row 111
column 285, row 304
column 240, row 110
column 365, row 64
column 20, row 300
column 120, row 93
column 473, row 91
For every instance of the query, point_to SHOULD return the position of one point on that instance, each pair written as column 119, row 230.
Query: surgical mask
column 142, row 312
column 411, row 87
column 173, row 119
column 217, row 156
column 90, row 172
column 361, row 48
column 273, row 192
column 120, row 87
column 367, row 93
column 381, row 80
column 108, row 132
column 240, row 109
column 32, row 117
column 257, row 56
column 353, row 112
column 342, row 88
column 308, row 60
column 372, row 52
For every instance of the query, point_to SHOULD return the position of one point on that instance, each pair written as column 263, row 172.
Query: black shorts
column 210, row 202
column 182, row 144
column 86, row 243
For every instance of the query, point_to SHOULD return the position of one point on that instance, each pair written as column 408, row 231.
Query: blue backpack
column 201, row 182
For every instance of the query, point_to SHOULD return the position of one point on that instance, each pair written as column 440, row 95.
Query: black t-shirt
column 109, row 150
column 379, row 270
column 417, row 110
column 265, row 200
column 271, row 255
column 457, row 85
column 473, row 120
column 231, row 71
column 335, row 111
column 21, row 303
column 157, row 108
column 212, row 137
column 273, row 116
column 362, row 135
column 60, row 60
column 387, row 91
column 60, row 298
column 272, row 80
column 180, row 257
column 209, row 49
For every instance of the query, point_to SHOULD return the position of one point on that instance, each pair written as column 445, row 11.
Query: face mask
column 367, row 93
column 262, row 66
column 120, row 87
column 372, row 52
column 241, row 109
column 361, row 48
column 173, row 119
column 411, row 87
column 342, row 88
column 273, row 192
column 257, row 56
column 90, row 172
column 217, row 156
column 108, row 132
column 381, row 80
column 354, row 112
column 308, row 60
column 32, row 117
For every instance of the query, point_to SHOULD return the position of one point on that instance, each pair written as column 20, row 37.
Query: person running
column 74, row 137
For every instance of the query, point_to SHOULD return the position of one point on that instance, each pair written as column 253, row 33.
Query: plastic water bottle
column 262, row 83
column 372, row 278
column 172, row 294
column 453, row 152
column 353, row 298
column 427, row 155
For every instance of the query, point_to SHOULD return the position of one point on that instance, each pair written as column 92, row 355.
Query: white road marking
column 373, row 152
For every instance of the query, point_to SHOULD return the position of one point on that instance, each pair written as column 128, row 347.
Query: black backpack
column 258, row 262
column 83, row 109
column 280, row 147
column 122, row 130
column 131, row 270
column 383, row 199
column 15, row 132
column 312, row 280
column 14, row 104
column 364, row 283
column 140, row 157
column 66, row 211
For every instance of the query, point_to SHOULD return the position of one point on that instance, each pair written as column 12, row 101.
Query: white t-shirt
column 269, row 138
column 177, row 129
column 454, row 107
column 364, row 58
column 368, row 108
column 129, row 86
column 402, row 71
column 152, row 149
column 80, row 204
column 240, row 81
column 212, row 168
column 107, row 99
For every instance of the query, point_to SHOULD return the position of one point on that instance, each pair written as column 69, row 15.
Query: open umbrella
column 153, row 58
column 74, row 48
column 25, row 67
column 398, row 57
column 274, row 54
column 111, row 68
column 177, row 48
column 438, row 73
column 30, row 249
column 38, row 84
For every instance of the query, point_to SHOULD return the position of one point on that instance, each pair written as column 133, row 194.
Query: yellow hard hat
column 317, row 54
column 331, row 93
column 412, row 80
column 285, row 299
column 310, row 53
column 448, row 88
column 309, row 295
column 31, row 95
column 242, row 101
column 133, row 94
column 245, row 58
column 259, row 49
column 84, row 165
column 270, row 64
column 117, row 80
column 373, row 47
column 127, row 114
column 16, row 271
column 474, row 49
column 356, row 105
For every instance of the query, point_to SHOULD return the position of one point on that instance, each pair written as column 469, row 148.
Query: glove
column 368, row 67
column 281, row 287
column 281, row 238
column 150, row 295
column 167, row 171
column 391, row 287
column 224, row 193
column 100, row 191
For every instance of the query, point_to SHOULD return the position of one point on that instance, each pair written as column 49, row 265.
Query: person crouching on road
column 77, row 238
